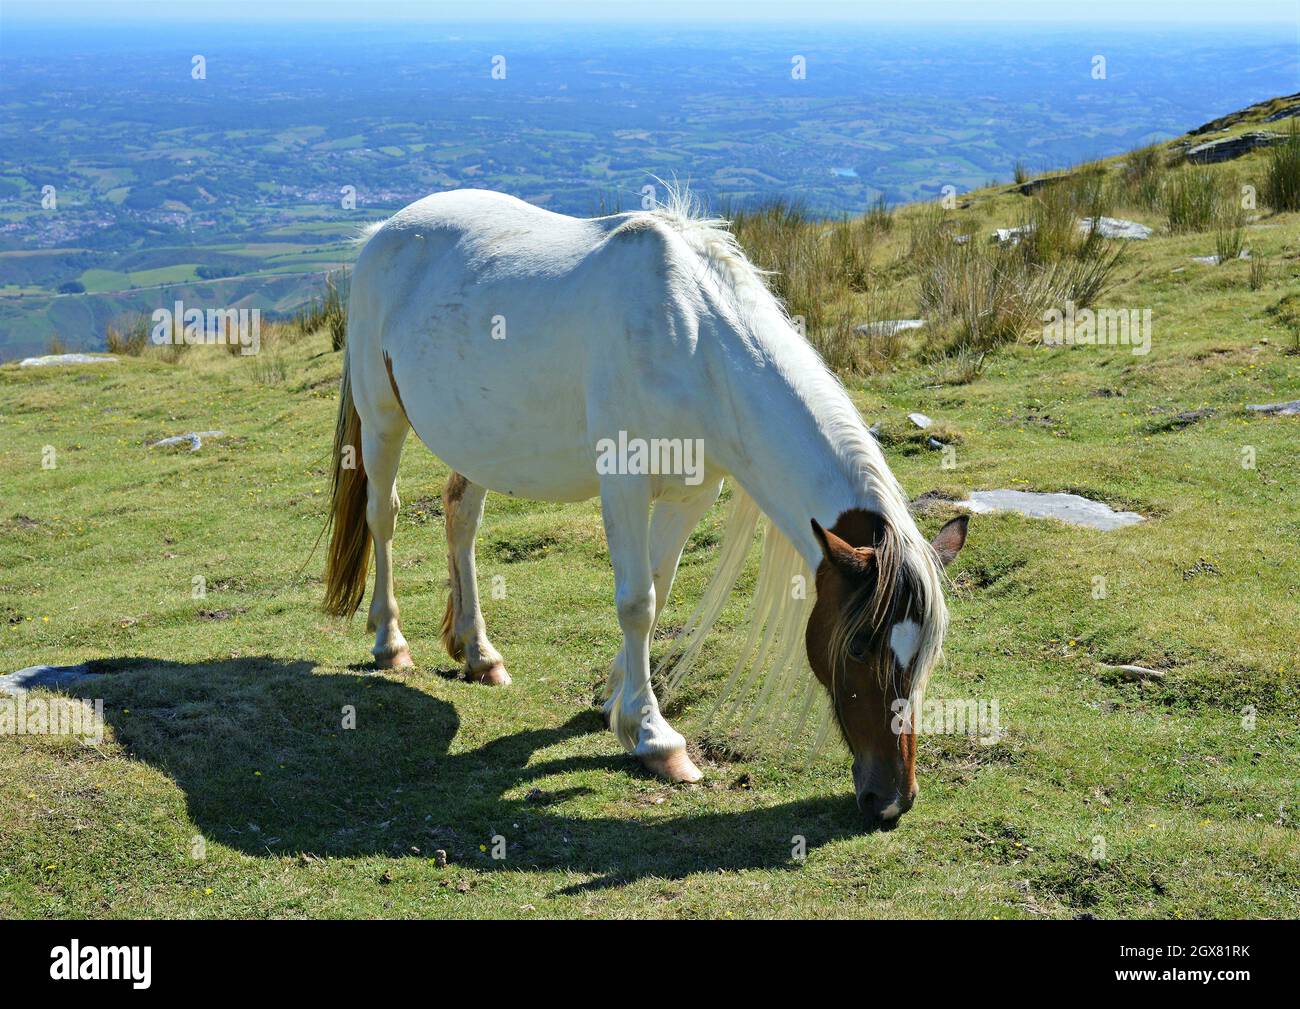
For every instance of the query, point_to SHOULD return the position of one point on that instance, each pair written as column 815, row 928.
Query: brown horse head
column 873, row 635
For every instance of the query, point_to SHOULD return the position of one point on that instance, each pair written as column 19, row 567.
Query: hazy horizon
column 748, row 12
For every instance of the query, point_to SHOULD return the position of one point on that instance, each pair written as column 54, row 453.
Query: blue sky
column 1170, row 12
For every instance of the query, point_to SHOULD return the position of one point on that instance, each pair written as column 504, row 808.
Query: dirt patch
column 526, row 547
column 423, row 510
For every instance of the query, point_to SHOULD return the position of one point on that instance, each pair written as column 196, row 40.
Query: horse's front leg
column 633, row 712
column 671, row 524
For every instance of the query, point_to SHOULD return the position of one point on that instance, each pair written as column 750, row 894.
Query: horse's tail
column 348, row 558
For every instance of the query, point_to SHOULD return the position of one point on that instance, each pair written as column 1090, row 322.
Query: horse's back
column 490, row 317
column 494, row 237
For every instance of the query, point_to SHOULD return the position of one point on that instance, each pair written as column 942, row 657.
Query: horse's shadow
column 275, row 759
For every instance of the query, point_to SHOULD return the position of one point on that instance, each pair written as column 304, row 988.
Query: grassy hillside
column 226, row 784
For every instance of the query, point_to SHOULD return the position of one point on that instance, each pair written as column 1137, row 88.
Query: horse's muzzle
column 881, row 801
column 882, row 812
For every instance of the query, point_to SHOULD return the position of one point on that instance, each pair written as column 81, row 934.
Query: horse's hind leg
column 381, row 448
column 463, row 632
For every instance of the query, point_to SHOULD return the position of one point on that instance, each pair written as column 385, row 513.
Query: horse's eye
column 858, row 648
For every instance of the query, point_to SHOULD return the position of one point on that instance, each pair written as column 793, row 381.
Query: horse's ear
column 840, row 554
column 820, row 533
column 951, row 538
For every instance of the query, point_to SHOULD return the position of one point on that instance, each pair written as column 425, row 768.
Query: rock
column 1004, row 236
column 1069, row 508
column 888, row 327
column 1241, row 115
column 920, row 420
column 1214, row 260
column 1180, row 420
column 1277, row 409
column 195, row 439
column 1287, row 113
column 1031, row 186
column 56, row 359
column 1213, row 151
column 50, row 677
column 935, row 443
column 1115, row 227
column 1189, row 417
column 1134, row 674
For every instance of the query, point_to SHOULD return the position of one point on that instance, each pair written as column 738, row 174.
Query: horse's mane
column 712, row 238
column 771, row 694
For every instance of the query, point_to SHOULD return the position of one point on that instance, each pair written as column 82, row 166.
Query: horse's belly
column 525, row 438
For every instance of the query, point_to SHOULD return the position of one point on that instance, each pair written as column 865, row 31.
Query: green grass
column 225, row 712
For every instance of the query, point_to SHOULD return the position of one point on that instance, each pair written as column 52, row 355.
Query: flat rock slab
column 1214, row 260
column 920, row 420
column 194, row 439
column 1004, row 236
column 1115, row 227
column 1031, row 186
column 1213, row 151
column 889, row 327
column 1277, row 409
column 56, row 359
column 1071, row 508
column 51, row 677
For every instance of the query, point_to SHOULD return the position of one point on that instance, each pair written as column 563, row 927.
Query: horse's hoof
column 493, row 676
column 676, row 767
column 400, row 659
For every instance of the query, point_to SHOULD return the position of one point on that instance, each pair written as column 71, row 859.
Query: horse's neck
column 806, row 453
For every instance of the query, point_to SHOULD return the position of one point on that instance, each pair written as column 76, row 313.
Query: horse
column 537, row 355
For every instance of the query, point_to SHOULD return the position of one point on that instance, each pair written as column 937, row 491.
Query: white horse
column 550, row 357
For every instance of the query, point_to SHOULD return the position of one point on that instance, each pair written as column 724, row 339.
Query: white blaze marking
column 904, row 640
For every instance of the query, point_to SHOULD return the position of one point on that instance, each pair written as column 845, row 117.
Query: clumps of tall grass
column 1259, row 276
column 1281, row 184
column 1139, row 181
column 328, row 311
column 1287, row 312
column 269, row 369
column 880, row 216
column 1229, row 232
column 811, row 265
column 959, row 367
column 1193, row 198
column 981, row 295
column 128, row 336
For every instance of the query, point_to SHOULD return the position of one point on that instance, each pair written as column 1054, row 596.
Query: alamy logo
column 25, row 715
column 240, row 327
column 948, row 717
column 1105, row 327
column 682, row 457
column 75, row 962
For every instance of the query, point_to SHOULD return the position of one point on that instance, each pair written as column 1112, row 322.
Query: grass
column 227, row 784
column 328, row 312
column 1281, row 189
column 1192, row 198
